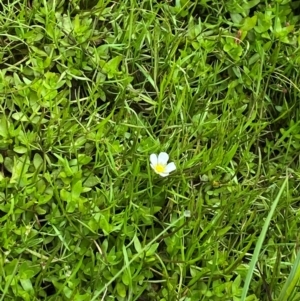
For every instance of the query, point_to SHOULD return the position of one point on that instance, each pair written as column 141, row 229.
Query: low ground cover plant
column 149, row 150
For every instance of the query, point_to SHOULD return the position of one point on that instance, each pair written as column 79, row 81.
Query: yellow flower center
column 160, row 168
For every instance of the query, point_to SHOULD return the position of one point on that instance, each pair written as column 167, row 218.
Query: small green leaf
column 65, row 195
column 37, row 160
column 20, row 116
column 121, row 289
column 250, row 4
column 84, row 159
column 277, row 27
column 104, row 225
column 3, row 127
column 65, row 164
column 40, row 210
column 125, row 277
column 44, row 199
column 38, row 51
column 91, row 181
column 264, row 23
column 77, row 189
column 111, row 67
column 249, row 23
column 8, row 163
column 236, row 18
column 254, row 58
column 19, row 171
column 27, row 271
column 137, row 244
column 26, row 284
column 20, row 149
column 152, row 249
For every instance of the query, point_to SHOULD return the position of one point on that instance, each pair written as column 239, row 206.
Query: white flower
column 160, row 164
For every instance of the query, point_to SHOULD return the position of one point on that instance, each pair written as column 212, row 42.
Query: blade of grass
column 10, row 278
column 292, row 280
column 260, row 242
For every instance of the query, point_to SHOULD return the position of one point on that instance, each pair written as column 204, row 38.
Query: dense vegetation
column 89, row 90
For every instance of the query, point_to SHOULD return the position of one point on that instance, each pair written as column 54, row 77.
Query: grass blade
column 291, row 281
column 260, row 242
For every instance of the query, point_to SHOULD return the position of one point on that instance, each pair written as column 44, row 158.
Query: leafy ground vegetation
column 89, row 90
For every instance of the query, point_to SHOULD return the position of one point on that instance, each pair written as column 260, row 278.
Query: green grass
column 89, row 90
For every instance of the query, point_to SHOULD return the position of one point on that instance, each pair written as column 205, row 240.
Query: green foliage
column 89, row 89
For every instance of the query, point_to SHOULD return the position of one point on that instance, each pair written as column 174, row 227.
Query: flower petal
column 170, row 167
column 163, row 158
column 164, row 174
column 153, row 160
